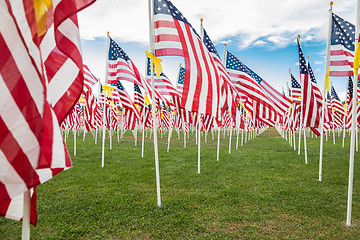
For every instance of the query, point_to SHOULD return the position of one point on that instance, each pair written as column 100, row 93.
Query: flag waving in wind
column 174, row 36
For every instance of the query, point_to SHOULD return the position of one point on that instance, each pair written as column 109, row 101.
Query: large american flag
column 342, row 47
column 310, row 111
column 163, row 85
column 295, row 90
column 174, row 35
column 32, row 149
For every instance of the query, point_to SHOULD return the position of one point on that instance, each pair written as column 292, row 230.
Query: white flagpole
column 152, row 48
column 74, row 132
column 242, row 137
column 230, row 139
column 199, row 137
column 96, row 133
column 26, row 217
column 327, row 63
column 237, row 138
column 106, row 77
column 103, row 139
column 218, row 145
column 305, row 147
column 143, row 132
column 184, row 139
column 169, row 137
column 353, row 127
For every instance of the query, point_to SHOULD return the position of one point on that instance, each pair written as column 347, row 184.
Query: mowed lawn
column 261, row 191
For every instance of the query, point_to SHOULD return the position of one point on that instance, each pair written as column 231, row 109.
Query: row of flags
column 48, row 77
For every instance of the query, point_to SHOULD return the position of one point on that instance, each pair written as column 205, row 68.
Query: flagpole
column 106, row 77
column 327, row 63
column 354, row 116
column 74, row 132
column 152, row 48
column 143, row 132
column 219, row 128
column 26, row 217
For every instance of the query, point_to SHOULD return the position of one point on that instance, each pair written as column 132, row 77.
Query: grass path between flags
column 261, row 191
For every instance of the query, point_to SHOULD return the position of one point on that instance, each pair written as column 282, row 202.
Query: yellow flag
column 147, row 101
column 107, row 90
column 357, row 59
column 156, row 61
column 41, row 7
column 327, row 81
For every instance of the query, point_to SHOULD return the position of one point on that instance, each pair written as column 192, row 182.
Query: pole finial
column 331, row 3
column 201, row 19
column 107, row 32
column 298, row 35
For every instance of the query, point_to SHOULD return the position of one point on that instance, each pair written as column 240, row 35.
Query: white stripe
column 18, row 126
column 61, row 81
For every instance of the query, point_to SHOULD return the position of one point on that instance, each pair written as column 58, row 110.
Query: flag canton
column 342, row 33
column 235, row 64
column 350, row 87
column 116, row 52
column 119, row 86
column 166, row 7
column 302, row 62
column 209, row 44
column 181, row 75
column 137, row 89
column 294, row 83
column 312, row 76
column 334, row 94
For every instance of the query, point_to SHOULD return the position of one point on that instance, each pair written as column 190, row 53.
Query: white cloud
column 318, row 62
column 278, row 21
column 296, row 63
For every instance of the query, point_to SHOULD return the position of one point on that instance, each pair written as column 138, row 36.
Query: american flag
column 316, row 89
column 174, row 35
column 180, row 85
column 138, row 97
column 228, row 91
column 342, row 47
column 132, row 115
column 337, row 108
column 244, row 82
column 279, row 102
column 310, row 111
column 32, row 147
column 89, row 78
column 163, row 85
column 92, row 112
column 120, row 66
column 295, row 90
column 349, row 102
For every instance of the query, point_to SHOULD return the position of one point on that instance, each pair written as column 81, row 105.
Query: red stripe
column 167, row 38
column 341, row 63
column 341, row 52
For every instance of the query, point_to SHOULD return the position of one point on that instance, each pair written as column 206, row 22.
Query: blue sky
column 260, row 33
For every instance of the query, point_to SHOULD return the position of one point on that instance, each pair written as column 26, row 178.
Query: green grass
column 262, row 191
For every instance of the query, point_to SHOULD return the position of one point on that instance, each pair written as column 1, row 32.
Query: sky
column 261, row 33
